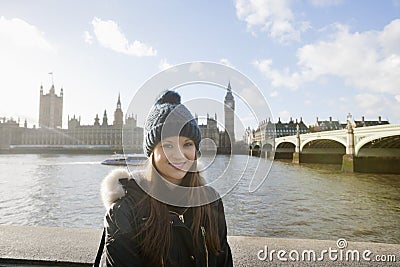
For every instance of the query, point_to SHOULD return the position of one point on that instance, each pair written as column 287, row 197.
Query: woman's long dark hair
column 157, row 232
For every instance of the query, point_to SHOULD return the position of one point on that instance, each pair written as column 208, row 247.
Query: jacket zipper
column 203, row 233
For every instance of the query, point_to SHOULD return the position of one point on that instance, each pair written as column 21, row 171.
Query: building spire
column 97, row 120
column 105, row 120
column 118, row 114
column 229, row 87
column 119, row 101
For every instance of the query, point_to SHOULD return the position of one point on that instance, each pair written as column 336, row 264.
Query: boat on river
column 125, row 159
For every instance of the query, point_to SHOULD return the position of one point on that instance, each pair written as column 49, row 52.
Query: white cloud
column 283, row 78
column 22, row 34
column 272, row 16
column 87, row 37
column 325, row 3
column 274, row 94
column 202, row 70
column 397, row 97
column 369, row 103
column 163, row 65
column 374, row 105
column 368, row 60
column 26, row 56
column 110, row 36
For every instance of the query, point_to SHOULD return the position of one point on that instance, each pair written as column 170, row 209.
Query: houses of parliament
column 101, row 136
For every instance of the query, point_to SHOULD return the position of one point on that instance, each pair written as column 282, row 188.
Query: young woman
column 164, row 215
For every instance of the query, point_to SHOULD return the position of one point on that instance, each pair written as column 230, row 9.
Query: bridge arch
column 323, row 150
column 268, row 150
column 285, row 141
column 255, row 145
column 255, row 148
column 371, row 138
column 284, row 150
column 267, row 147
column 337, row 139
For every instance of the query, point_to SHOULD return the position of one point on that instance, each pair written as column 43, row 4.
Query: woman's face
column 173, row 157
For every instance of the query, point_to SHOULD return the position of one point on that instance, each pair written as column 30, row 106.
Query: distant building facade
column 366, row 123
column 326, row 125
column 50, row 135
column 210, row 131
column 286, row 129
column 269, row 130
column 9, row 132
column 102, row 135
column 332, row 125
column 214, row 138
column 51, row 107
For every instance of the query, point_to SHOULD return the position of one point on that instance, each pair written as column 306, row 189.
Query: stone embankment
column 50, row 246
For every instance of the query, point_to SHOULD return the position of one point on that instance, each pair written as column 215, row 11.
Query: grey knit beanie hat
column 168, row 117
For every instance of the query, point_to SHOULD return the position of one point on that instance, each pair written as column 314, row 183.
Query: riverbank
column 53, row 246
column 95, row 150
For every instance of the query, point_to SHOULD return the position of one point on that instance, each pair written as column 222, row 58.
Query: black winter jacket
column 124, row 220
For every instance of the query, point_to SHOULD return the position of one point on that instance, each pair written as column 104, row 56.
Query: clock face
column 229, row 104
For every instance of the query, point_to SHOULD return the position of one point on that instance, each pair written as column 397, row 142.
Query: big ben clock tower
column 229, row 109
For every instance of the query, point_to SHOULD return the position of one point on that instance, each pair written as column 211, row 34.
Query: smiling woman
column 144, row 229
column 174, row 157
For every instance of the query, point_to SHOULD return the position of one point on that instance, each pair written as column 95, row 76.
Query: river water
column 295, row 201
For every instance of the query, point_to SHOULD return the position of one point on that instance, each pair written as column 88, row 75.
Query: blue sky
column 311, row 58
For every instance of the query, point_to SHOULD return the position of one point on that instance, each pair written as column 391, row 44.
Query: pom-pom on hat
column 168, row 117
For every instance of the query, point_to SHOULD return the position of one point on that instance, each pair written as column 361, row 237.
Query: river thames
column 295, row 201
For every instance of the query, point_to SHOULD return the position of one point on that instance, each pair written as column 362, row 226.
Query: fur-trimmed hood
column 111, row 188
column 115, row 186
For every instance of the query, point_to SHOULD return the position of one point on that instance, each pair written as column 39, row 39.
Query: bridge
column 363, row 149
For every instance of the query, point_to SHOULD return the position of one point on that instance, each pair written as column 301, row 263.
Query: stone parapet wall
column 51, row 246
